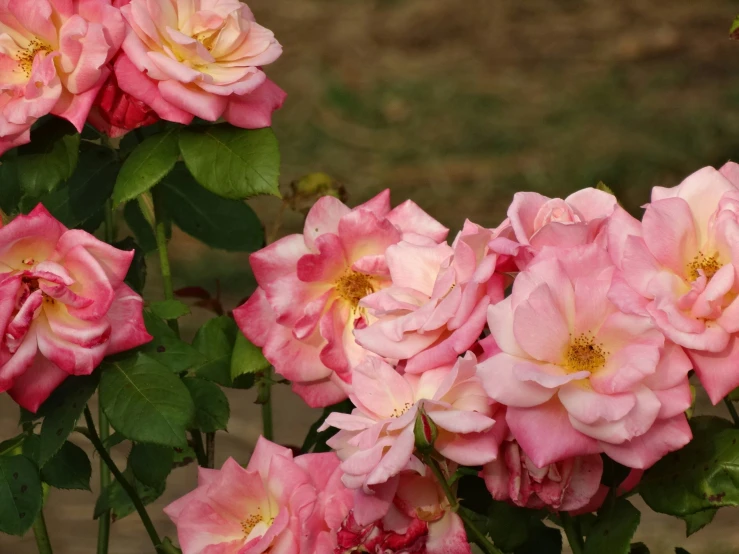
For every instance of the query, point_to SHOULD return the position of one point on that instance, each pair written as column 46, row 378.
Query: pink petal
column 499, row 380
column 584, row 483
column 718, row 371
column 319, row 393
column 410, row 218
column 522, row 213
column 540, row 327
column 323, row 218
column 546, row 434
column 127, row 323
column 378, row 205
column 380, row 389
column 471, row 449
column 192, row 99
column 254, row 109
column 447, row 536
column 670, row 233
column 32, row 388
column 592, row 203
column 588, row 406
column 114, row 262
column 643, row 451
column 255, row 317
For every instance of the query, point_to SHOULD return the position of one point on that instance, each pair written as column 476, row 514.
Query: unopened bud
column 425, row 431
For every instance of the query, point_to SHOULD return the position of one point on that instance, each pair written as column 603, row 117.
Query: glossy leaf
column 145, row 401
column 69, row 468
column 701, row 476
column 697, row 521
column 140, row 227
column 116, row 499
column 211, row 405
column 84, row 195
column 151, row 463
column 169, row 309
column 215, row 341
column 49, row 159
column 613, row 530
column 61, row 412
column 233, row 163
column 136, row 275
column 21, row 494
column 247, row 358
column 146, row 166
column 167, row 348
column 218, row 222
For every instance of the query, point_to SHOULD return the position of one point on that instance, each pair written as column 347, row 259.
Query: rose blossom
column 276, row 504
column 579, row 376
column 376, row 441
column 310, row 285
column 435, row 309
column 52, row 60
column 679, row 267
column 535, row 221
column 199, row 58
column 412, row 516
column 63, row 305
column 115, row 113
column 570, row 485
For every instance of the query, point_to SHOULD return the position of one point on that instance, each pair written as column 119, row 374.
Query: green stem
column 42, row 534
column 160, row 230
column 482, row 540
column 732, row 411
column 197, row 443
column 210, row 449
column 138, row 504
column 572, row 530
column 264, row 397
column 104, row 520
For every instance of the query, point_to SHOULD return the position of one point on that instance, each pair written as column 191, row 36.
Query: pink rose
column 679, row 268
column 276, row 504
column 308, row 302
column 115, row 113
column 53, row 58
column 436, row 307
column 203, row 58
column 411, row 515
column 570, row 485
column 377, row 442
column 63, row 306
column 537, row 221
column 579, row 376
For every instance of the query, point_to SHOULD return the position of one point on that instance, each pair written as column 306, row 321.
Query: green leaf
column 184, row 456
column 639, row 548
column 215, row 341
column 10, row 187
column 70, row 468
column 49, row 159
column 136, row 276
column 167, row 348
column 85, row 193
column 697, row 521
column 233, row 163
column 613, row 530
column 11, row 447
column 145, row 401
column 211, row 405
column 21, row 494
column 61, row 412
column 146, row 166
column 545, row 540
column 701, row 476
column 247, row 358
column 734, row 29
column 218, row 222
column 140, row 228
column 151, row 463
column 316, row 440
column 169, row 309
column 679, row 550
column 116, row 499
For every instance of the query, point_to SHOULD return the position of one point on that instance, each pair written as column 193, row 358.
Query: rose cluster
column 530, row 350
column 123, row 64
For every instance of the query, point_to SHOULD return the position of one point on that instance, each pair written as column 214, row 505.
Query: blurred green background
column 458, row 105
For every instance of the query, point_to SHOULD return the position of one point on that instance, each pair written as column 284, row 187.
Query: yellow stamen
column 709, row 265
column 397, row 412
column 352, row 286
column 584, row 355
column 26, row 57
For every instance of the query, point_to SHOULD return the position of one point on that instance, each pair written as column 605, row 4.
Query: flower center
column 397, row 412
column 352, row 286
column 709, row 265
column 248, row 525
column 584, row 355
column 27, row 55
